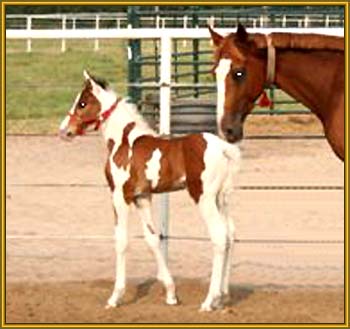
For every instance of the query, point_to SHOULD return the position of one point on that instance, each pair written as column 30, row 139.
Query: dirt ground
column 288, row 262
column 81, row 302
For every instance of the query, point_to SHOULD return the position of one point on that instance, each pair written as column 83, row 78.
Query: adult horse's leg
column 218, row 234
column 121, row 242
column 143, row 206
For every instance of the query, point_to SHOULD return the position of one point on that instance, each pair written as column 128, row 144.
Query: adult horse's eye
column 82, row 104
column 239, row 74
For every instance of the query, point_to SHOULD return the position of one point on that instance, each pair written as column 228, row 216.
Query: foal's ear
column 241, row 34
column 86, row 75
column 96, row 88
column 216, row 37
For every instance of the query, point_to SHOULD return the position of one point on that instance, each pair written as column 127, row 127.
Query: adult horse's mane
column 301, row 41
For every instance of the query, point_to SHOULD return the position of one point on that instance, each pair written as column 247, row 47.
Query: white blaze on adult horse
column 140, row 163
column 221, row 72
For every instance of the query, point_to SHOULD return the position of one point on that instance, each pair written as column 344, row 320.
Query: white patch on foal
column 221, row 72
column 153, row 168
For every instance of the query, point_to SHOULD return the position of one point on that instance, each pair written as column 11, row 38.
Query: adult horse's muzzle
column 232, row 128
column 233, row 134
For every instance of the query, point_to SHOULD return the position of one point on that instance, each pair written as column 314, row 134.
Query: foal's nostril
column 69, row 134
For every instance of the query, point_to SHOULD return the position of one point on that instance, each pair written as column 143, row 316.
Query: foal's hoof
column 172, row 300
column 112, row 304
column 206, row 308
column 214, row 305
column 108, row 306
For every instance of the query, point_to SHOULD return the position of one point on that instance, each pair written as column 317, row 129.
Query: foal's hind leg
column 121, row 242
column 143, row 206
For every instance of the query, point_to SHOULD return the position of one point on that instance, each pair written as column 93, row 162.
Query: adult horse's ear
column 241, row 34
column 216, row 37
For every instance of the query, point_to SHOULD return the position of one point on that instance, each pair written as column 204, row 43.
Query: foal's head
column 85, row 113
column 240, row 69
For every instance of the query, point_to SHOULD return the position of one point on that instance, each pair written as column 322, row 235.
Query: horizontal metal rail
column 241, row 187
column 172, row 237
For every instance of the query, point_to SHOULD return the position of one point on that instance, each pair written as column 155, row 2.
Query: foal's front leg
column 218, row 234
column 121, row 242
column 143, row 206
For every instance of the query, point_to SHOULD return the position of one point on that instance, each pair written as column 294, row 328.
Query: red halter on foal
column 98, row 121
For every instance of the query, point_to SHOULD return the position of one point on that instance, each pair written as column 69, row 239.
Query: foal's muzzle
column 66, row 134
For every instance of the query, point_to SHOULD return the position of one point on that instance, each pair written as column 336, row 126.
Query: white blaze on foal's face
column 221, row 72
column 65, row 122
column 153, row 168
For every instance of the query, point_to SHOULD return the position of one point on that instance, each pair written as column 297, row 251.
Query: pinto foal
column 140, row 163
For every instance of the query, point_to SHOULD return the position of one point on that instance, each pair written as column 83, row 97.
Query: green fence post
column 272, row 99
column 176, row 64
column 195, row 43
column 134, row 64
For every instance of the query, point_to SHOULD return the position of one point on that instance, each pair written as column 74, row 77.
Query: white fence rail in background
column 80, row 21
column 161, row 20
column 130, row 33
column 151, row 33
column 166, row 36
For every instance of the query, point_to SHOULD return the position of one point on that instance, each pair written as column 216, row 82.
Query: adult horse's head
column 87, row 109
column 240, row 68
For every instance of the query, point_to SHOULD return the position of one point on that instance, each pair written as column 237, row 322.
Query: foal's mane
column 101, row 82
column 131, row 108
column 301, row 41
column 139, row 119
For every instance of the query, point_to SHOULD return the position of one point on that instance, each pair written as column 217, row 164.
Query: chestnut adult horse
column 308, row 67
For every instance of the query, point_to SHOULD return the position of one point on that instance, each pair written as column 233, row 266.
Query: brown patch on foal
column 181, row 158
column 121, row 157
column 193, row 150
column 150, row 229
column 108, row 174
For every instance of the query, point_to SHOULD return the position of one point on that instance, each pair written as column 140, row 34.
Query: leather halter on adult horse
column 308, row 67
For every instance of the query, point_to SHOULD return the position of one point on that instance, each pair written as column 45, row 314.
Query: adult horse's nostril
column 229, row 131
column 233, row 134
column 69, row 134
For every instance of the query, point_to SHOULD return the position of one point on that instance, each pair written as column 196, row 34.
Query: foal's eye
column 82, row 104
column 238, row 74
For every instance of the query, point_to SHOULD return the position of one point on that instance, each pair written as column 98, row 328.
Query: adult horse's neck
column 310, row 77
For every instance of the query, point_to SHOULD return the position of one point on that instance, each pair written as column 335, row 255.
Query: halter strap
column 106, row 114
column 271, row 61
